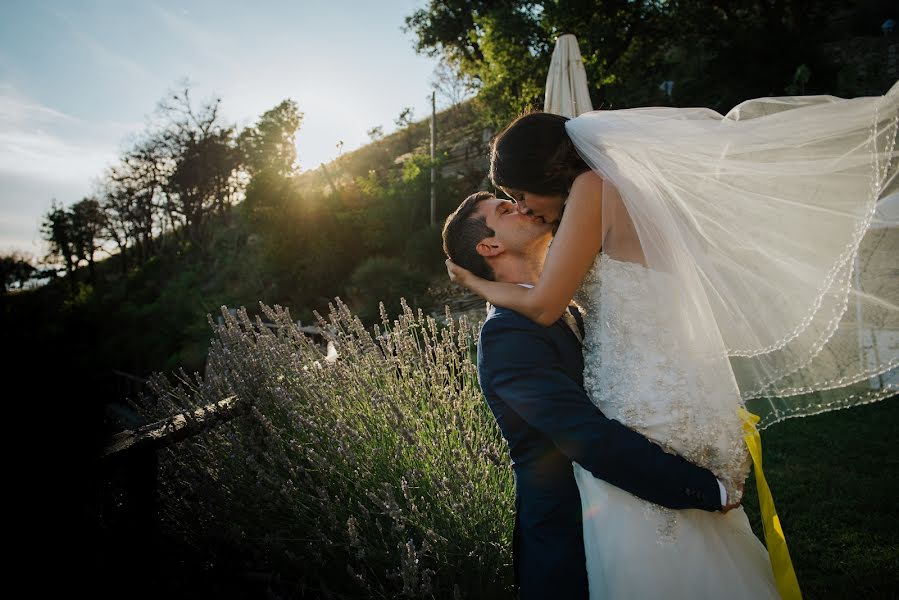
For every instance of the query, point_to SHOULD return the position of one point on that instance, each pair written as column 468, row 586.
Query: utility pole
column 433, row 157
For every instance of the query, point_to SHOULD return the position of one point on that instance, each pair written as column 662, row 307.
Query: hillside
column 356, row 228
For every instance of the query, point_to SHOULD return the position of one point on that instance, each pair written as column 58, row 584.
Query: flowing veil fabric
column 767, row 218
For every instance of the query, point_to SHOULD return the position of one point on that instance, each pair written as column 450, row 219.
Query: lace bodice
column 636, row 373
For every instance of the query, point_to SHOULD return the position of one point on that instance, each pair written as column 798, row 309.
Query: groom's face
column 513, row 231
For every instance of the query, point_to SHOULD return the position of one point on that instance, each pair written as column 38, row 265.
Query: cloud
column 45, row 154
column 204, row 42
column 15, row 109
column 42, row 154
column 103, row 54
column 39, row 141
column 21, row 234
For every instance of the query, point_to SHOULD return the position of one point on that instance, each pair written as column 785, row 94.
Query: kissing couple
column 653, row 273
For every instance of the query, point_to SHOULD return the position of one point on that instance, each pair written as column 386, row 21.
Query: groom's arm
column 530, row 380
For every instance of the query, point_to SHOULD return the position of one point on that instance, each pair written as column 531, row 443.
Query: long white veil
column 767, row 218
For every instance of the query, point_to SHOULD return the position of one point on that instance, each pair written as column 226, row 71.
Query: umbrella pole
column 433, row 157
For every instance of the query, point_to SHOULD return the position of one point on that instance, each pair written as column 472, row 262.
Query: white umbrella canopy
column 566, row 83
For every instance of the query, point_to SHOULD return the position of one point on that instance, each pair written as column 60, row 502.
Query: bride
column 716, row 258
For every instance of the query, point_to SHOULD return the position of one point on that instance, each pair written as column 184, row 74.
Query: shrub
column 424, row 249
column 380, row 474
column 382, row 279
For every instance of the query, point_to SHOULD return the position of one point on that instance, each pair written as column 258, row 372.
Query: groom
column 532, row 378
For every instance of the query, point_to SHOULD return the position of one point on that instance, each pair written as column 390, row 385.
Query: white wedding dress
column 753, row 229
column 636, row 373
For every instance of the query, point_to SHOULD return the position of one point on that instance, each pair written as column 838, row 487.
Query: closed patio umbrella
column 566, row 83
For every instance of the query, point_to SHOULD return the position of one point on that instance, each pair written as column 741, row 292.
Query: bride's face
column 548, row 208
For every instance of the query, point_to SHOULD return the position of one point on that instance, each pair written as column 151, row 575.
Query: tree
column 403, row 122
column 500, row 46
column 375, row 133
column 717, row 52
column 74, row 235
column 134, row 202
column 505, row 47
column 57, row 230
column 270, row 145
column 15, row 270
column 200, row 162
column 269, row 150
column 87, row 222
column 452, row 86
column 117, row 205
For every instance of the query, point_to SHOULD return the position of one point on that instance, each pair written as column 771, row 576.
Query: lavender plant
column 376, row 473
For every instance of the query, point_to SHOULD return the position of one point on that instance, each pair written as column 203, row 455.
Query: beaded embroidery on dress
column 635, row 373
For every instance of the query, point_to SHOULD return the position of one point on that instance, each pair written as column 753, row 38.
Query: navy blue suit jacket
column 532, row 378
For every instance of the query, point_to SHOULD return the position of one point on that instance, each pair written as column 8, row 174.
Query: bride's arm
column 576, row 244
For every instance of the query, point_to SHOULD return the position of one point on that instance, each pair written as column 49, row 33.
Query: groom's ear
column 489, row 247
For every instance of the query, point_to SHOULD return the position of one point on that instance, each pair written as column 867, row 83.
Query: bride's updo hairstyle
column 534, row 154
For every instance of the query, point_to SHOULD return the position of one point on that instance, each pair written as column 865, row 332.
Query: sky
column 79, row 79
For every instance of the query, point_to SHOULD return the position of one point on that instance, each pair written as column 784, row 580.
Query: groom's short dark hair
column 462, row 232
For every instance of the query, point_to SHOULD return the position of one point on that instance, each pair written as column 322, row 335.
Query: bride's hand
column 459, row 275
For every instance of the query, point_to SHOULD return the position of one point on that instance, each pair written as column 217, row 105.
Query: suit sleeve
column 531, row 382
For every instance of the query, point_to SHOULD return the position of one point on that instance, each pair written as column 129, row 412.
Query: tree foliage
column 270, row 145
column 15, row 271
column 133, row 201
column 717, row 53
column 88, row 221
column 201, row 159
column 270, row 156
column 56, row 229
column 74, row 235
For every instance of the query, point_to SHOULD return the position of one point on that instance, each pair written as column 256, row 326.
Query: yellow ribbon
column 784, row 575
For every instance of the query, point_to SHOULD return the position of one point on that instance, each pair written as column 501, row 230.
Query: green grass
column 835, row 483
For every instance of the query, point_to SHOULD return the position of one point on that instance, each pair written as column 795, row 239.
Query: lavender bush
column 378, row 474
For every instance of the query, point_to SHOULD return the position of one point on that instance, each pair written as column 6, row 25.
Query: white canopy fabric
column 566, row 83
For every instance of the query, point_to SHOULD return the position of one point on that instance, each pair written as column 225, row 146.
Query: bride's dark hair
column 534, row 154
